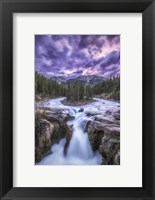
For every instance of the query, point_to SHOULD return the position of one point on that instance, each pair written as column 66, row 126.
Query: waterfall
column 79, row 145
column 79, row 151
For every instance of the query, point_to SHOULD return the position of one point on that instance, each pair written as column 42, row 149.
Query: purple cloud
column 74, row 55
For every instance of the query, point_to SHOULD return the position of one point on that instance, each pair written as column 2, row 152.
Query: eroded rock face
column 104, row 135
column 109, row 149
column 68, row 138
column 50, row 127
column 43, row 138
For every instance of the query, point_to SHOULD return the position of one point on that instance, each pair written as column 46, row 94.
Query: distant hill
column 59, row 79
column 87, row 80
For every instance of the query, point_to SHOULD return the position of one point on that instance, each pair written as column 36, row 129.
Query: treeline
column 51, row 88
column 76, row 91
column 111, row 87
column 48, row 88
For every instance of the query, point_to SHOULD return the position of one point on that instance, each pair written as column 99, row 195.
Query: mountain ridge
column 88, row 80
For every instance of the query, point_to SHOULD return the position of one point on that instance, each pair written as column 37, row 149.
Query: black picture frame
column 7, row 8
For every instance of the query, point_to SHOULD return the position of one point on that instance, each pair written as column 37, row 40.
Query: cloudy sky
column 75, row 55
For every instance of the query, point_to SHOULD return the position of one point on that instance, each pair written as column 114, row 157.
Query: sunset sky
column 75, row 55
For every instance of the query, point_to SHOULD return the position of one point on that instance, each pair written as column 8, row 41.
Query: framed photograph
column 77, row 99
column 77, row 94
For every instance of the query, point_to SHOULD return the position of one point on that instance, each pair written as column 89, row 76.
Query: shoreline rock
column 104, row 136
column 81, row 110
column 50, row 127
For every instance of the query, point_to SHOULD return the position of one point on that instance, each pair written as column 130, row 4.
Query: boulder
column 81, row 110
column 93, row 113
column 52, row 110
column 108, row 112
column 116, row 115
column 38, row 98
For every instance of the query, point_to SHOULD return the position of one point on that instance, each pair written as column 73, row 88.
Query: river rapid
column 79, row 151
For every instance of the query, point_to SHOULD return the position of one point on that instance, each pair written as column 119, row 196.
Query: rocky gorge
column 50, row 127
column 88, row 134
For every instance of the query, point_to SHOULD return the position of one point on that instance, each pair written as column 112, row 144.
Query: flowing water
column 79, row 151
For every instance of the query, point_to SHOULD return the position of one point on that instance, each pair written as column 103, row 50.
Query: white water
column 79, row 151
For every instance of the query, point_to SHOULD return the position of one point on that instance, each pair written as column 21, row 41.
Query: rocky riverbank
column 50, row 127
column 104, row 135
column 99, row 119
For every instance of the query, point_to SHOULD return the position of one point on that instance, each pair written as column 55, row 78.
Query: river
column 79, row 151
